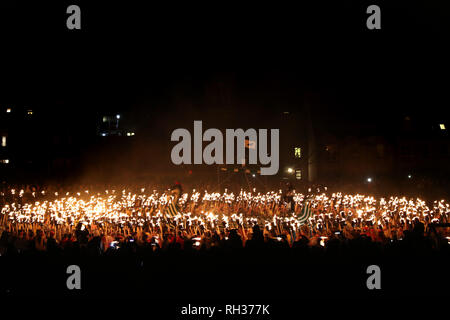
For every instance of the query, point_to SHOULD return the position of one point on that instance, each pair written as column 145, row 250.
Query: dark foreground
column 293, row 283
column 272, row 273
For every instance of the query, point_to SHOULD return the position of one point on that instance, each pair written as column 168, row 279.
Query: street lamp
column 117, row 122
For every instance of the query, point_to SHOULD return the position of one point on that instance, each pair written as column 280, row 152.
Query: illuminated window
column 442, row 126
column 3, row 141
column 8, row 110
column 297, row 152
column 105, row 119
column 4, row 161
column 298, row 174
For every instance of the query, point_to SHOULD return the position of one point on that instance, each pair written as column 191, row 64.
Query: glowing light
column 290, row 170
column 211, row 210
column 369, row 180
column 442, row 126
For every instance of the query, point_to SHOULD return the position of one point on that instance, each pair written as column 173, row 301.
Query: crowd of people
column 34, row 219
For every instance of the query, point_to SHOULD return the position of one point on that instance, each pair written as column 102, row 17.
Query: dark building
column 66, row 144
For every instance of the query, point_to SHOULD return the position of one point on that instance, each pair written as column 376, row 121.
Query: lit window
column 105, row 119
column 442, row 126
column 3, row 141
column 4, row 161
column 8, row 110
column 249, row 144
column 297, row 152
column 298, row 174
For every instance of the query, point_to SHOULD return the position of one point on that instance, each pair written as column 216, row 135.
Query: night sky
column 228, row 64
